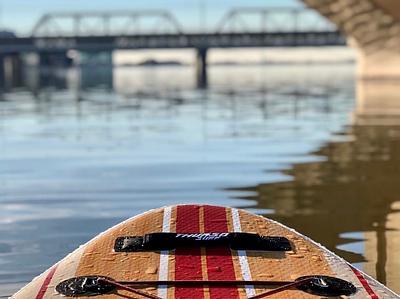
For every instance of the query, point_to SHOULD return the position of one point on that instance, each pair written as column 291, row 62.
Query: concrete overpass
column 373, row 27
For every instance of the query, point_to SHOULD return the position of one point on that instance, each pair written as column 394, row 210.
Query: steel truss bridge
column 157, row 29
column 240, row 27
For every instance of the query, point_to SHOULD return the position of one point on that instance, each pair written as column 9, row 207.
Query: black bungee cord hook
column 325, row 286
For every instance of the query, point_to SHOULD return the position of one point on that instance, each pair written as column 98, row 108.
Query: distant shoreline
column 169, row 63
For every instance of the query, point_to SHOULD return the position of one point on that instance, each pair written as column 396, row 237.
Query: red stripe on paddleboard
column 365, row 283
column 188, row 261
column 219, row 259
column 45, row 285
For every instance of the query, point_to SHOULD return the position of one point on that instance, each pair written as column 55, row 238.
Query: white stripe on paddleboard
column 163, row 268
column 244, row 264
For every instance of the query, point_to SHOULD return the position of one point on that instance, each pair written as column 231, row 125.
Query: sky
column 21, row 15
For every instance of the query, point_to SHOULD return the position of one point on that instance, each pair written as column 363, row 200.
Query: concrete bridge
column 95, row 35
column 373, row 27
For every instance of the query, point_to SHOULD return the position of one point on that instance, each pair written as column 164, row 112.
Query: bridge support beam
column 201, row 68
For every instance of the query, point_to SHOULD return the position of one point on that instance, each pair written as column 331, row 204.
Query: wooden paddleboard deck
column 112, row 254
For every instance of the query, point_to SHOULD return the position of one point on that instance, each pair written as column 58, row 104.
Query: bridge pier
column 54, row 59
column 96, row 69
column 377, row 102
column 96, row 58
column 11, row 66
column 94, row 77
column 383, row 65
column 201, row 68
column 372, row 27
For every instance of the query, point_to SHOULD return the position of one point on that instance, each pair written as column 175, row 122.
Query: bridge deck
column 168, row 41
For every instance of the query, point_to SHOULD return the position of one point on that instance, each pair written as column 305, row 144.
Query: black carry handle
column 171, row 241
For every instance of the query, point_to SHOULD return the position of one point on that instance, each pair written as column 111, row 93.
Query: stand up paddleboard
column 202, row 252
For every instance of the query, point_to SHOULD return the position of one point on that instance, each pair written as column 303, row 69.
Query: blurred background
column 110, row 109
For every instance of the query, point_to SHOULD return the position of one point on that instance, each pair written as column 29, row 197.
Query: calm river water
column 82, row 150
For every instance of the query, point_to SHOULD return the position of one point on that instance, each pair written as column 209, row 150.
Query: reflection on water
column 80, row 150
column 349, row 200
